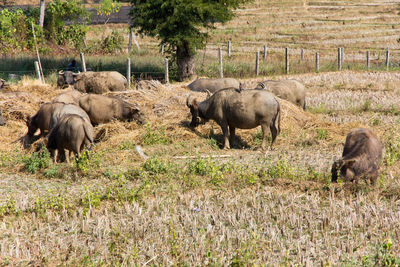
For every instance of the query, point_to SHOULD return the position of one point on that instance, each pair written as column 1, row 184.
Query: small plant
column 37, row 161
column 322, row 134
column 156, row 166
column 112, row 43
column 155, row 136
column 82, row 163
column 383, row 256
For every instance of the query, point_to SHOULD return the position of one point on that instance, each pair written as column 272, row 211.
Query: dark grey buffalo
column 213, row 85
column 41, row 120
column 2, row 120
column 3, row 83
column 362, row 155
column 93, row 82
column 68, row 97
column 66, row 109
column 232, row 109
column 72, row 133
column 290, row 90
column 103, row 109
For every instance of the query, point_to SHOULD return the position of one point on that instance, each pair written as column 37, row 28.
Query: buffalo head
column 3, row 83
column 65, row 78
column 133, row 113
column 194, row 110
column 343, row 168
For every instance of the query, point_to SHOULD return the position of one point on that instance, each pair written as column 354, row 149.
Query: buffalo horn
column 188, row 101
column 208, row 93
column 262, row 85
column 61, row 72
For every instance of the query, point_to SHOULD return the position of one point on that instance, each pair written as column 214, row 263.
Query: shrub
column 112, row 43
column 38, row 160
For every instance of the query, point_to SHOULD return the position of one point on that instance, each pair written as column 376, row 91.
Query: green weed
column 37, row 161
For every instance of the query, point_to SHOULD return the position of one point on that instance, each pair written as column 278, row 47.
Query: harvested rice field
column 180, row 199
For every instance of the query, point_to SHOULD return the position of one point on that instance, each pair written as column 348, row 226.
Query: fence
column 279, row 61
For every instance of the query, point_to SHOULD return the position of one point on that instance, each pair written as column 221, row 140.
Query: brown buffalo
column 66, row 109
column 232, row 108
column 71, row 133
column 213, row 85
column 2, row 120
column 362, row 155
column 3, row 83
column 290, row 90
column 103, row 109
column 41, row 120
column 93, row 82
column 68, row 97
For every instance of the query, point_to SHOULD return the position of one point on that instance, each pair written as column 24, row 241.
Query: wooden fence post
column 221, row 71
column 166, row 70
column 342, row 54
column 37, row 68
column 368, row 60
column 265, row 53
column 130, row 40
column 257, row 62
column 41, row 15
column 287, row 60
column 162, row 49
column 317, row 62
column 229, row 48
column 83, row 62
column 387, row 58
column 339, row 58
column 302, row 54
column 128, row 71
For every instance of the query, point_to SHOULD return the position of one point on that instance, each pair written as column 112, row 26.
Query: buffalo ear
column 194, row 104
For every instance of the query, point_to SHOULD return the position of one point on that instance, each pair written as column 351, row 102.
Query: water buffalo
column 72, row 133
column 290, row 90
column 239, row 109
column 66, row 109
column 362, row 155
column 68, row 97
column 213, row 85
column 93, row 82
column 41, row 120
column 3, row 83
column 2, row 120
column 103, row 109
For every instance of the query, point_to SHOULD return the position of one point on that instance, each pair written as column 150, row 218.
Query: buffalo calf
column 72, row 133
column 362, row 155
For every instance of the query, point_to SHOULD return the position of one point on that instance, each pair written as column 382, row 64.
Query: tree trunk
column 185, row 62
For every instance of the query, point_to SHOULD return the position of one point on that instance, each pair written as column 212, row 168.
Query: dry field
column 238, row 206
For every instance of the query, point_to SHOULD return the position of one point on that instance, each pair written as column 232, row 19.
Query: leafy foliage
column 181, row 25
column 38, row 160
column 57, row 13
column 108, row 7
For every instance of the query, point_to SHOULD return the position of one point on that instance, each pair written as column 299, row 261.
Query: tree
column 181, row 25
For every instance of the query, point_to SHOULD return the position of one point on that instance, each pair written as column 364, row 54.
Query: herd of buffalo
column 69, row 118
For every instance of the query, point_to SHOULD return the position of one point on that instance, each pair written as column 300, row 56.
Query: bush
column 38, row 160
column 112, row 43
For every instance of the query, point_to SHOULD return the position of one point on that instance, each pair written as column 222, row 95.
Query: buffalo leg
column 265, row 131
column 224, row 128
column 274, row 134
column 55, row 155
column 232, row 135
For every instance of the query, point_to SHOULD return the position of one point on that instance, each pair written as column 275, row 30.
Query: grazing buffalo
column 362, row 155
column 232, row 109
column 213, row 85
column 103, row 109
column 2, row 120
column 72, row 133
column 68, row 97
column 41, row 120
column 93, row 82
column 290, row 90
column 3, row 83
column 66, row 109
